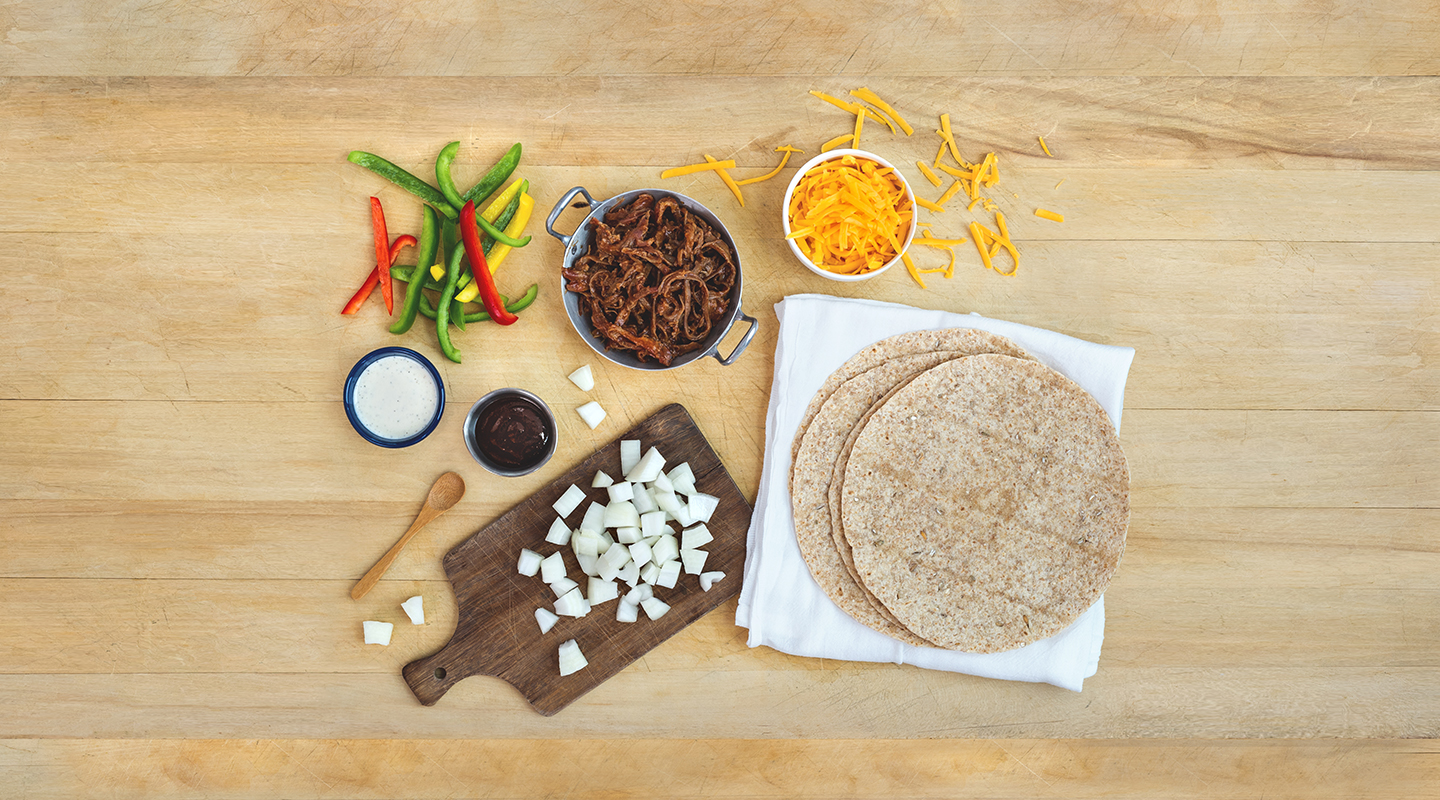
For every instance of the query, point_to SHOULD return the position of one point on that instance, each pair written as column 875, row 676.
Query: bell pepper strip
column 492, row 231
column 404, row 180
column 406, row 274
column 373, row 279
column 787, row 150
column 515, row 306
column 470, row 238
column 425, row 250
column 497, row 175
column 382, row 254
column 514, row 219
column 442, row 311
column 443, row 178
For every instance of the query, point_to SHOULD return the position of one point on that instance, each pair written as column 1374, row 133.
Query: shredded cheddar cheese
column 949, row 193
column 859, row 124
column 856, row 212
column 923, row 203
column 1045, row 213
column 874, row 100
column 1044, row 147
column 694, row 168
column 853, row 108
column 787, row 150
column 929, row 176
column 836, row 142
column 725, row 176
column 910, row 267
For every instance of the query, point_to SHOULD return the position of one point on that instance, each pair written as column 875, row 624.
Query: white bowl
column 830, row 156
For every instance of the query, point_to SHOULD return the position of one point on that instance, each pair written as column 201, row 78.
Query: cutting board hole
column 439, row 673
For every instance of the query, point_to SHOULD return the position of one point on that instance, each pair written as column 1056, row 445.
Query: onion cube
column 546, row 618
column 605, row 543
column 630, row 573
column 569, row 501
column 627, row 612
column 665, row 549
column 662, row 482
column 650, row 465
column 529, row 565
column 377, row 632
column 563, row 587
column 601, row 480
column 586, row 543
column 594, row 520
column 694, row 561
column 571, row 659
column 559, row 533
column 621, row 514
column 552, row 568
column 652, row 524
column 669, row 574
column 629, row 454
column 640, row 553
column 644, row 500
column 708, row 579
column 667, row 501
column 616, row 558
column 624, row 490
column 583, row 378
column 682, row 516
column 571, row 604
column 414, row 608
column 628, row 534
column 590, row 565
column 702, row 506
column 601, row 591
column 650, row 572
column 640, row 594
column 682, row 478
column 592, row 413
column 655, row 608
column 698, row 536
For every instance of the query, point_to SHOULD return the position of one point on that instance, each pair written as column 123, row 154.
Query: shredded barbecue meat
column 655, row 280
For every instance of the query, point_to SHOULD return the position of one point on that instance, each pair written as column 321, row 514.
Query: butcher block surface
column 1251, row 200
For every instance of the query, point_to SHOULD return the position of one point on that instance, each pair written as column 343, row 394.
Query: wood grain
column 496, row 632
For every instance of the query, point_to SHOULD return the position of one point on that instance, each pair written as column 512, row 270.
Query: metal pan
column 578, row 243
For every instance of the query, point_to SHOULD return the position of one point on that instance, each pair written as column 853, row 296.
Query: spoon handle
column 372, row 577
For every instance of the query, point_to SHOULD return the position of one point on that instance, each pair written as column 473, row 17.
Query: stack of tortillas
column 951, row 491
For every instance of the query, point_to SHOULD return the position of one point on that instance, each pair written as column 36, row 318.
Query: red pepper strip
column 404, row 240
column 489, row 295
column 382, row 253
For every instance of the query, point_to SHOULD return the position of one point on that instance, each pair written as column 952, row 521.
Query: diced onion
column 649, row 467
column 571, row 659
column 590, row 565
column 627, row 612
column 630, row 573
column 583, row 378
column 621, row 514
column 569, row 501
column 624, row 490
column 571, row 604
column 701, row 506
column 698, row 536
column 683, row 478
column 708, row 579
column 629, row 455
column 655, row 608
column 640, row 593
column 650, row 573
column 594, row 520
column 552, row 568
column 559, row 533
column 662, row 482
column 652, row 524
column 668, row 502
column 665, row 549
column 669, row 574
column 563, row 586
column 586, row 543
column 640, row 553
column 530, row 561
column 628, row 534
column 377, row 632
column 644, row 500
column 415, row 609
column 601, row 480
column 694, row 561
column 601, row 591
column 546, row 618
column 592, row 413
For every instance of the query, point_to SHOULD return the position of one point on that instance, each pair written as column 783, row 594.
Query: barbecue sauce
column 512, row 432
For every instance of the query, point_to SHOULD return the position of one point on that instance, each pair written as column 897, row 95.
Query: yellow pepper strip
column 1044, row 147
column 498, row 253
column 694, row 168
column 787, row 149
column 725, row 176
column 910, row 266
column 923, row 203
column 859, row 123
column 929, row 176
column 1044, row 213
column 874, row 100
column 836, row 142
column 437, row 272
column 492, row 211
column 949, row 193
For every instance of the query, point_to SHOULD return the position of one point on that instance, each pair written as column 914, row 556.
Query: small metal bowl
column 354, row 377
column 578, row 243
column 790, row 191
column 471, row 443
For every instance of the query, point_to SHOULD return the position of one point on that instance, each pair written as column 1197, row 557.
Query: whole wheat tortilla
column 986, row 503
column 818, row 446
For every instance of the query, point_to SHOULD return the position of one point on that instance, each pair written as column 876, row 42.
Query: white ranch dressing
column 395, row 397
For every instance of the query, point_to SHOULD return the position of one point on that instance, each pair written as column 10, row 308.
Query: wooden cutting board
column 496, row 633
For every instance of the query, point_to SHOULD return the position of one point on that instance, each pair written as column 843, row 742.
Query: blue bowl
column 354, row 377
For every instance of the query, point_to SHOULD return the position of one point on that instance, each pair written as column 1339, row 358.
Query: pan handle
column 561, row 206
column 744, row 341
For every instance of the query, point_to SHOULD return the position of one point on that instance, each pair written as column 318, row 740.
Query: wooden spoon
column 446, row 492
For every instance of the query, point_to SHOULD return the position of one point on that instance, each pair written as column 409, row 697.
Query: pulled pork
column 655, row 280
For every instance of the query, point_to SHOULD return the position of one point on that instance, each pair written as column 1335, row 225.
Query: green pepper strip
column 404, row 180
column 457, row 314
column 496, row 176
column 513, row 307
column 501, row 221
column 429, row 228
column 442, row 317
column 443, row 178
column 497, row 234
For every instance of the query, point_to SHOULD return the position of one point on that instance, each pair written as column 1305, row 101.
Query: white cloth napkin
column 780, row 603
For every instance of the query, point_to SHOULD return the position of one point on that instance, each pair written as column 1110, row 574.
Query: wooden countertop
column 1251, row 200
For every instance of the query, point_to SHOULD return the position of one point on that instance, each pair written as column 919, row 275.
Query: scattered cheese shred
column 694, row 168
column 923, row 203
column 874, row 100
column 990, row 244
column 1044, row 147
column 910, row 267
column 725, row 176
column 853, row 108
column 857, row 212
column 859, row 124
column 941, row 154
column 949, row 193
column 787, row 150
column 1045, row 213
column 837, row 141
column 949, row 139
column 929, row 175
